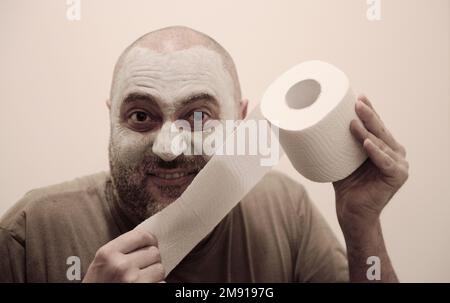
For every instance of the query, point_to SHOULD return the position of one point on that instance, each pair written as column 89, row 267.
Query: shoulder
column 66, row 197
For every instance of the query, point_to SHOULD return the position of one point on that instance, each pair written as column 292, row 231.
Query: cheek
column 130, row 147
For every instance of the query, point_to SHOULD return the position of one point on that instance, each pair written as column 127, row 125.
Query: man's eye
column 142, row 121
column 140, row 117
column 199, row 116
column 197, row 119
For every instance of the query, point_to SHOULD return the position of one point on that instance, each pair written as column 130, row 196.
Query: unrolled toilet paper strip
column 216, row 189
column 311, row 106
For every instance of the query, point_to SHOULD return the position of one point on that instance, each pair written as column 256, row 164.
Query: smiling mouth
column 172, row 177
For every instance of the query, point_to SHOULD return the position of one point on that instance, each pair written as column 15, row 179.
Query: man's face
column 151, row 91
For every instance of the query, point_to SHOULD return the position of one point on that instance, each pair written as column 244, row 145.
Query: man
column 274, row 234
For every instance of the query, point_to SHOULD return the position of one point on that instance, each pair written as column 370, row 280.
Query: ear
column 108, row 103
column 243, row 105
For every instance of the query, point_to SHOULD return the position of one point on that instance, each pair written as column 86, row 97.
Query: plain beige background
column 55, row 76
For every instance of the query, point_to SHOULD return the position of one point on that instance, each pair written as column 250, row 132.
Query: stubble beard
column 136, row 197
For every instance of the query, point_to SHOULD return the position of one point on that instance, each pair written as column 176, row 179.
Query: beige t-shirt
column 275, row 234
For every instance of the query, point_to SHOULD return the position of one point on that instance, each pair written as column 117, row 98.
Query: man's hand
column 131, row 257
column 361, row 197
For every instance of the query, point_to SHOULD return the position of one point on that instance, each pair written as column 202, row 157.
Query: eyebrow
column 199, row 97
column 193, row 98
column 138, row 96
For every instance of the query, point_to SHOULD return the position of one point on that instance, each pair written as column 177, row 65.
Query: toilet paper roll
column 311, row 107
column 313, row 104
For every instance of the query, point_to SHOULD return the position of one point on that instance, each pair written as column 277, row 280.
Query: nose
column 162, row 146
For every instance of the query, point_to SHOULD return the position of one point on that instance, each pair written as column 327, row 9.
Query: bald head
column 176, row 38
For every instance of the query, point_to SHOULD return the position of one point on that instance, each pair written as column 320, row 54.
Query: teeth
column 171, row 176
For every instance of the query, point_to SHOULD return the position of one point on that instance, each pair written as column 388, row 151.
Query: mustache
column 191, row 163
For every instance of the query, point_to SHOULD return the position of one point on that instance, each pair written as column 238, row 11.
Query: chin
column 164, row 192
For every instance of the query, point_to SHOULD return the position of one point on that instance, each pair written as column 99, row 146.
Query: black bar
column 233, row 292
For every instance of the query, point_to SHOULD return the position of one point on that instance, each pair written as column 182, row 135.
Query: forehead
column 172, row 72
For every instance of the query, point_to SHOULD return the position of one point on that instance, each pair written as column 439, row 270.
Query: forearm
column 363, row 243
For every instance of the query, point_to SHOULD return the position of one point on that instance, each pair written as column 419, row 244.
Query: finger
column 152, row 274
column 366, row 101
column 361, row 134
column 381, row 159
column 131, row 241
column 374, row 124
column 145, row 256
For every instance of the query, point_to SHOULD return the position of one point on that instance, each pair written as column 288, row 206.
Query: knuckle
column 154, row 253
column 120, row 268
column 402, row 175
column 145, row 236
column 103, row 254
column 153, row 239
column 389, row 164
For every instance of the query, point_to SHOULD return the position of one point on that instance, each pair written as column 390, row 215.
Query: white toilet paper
column 312, row 106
